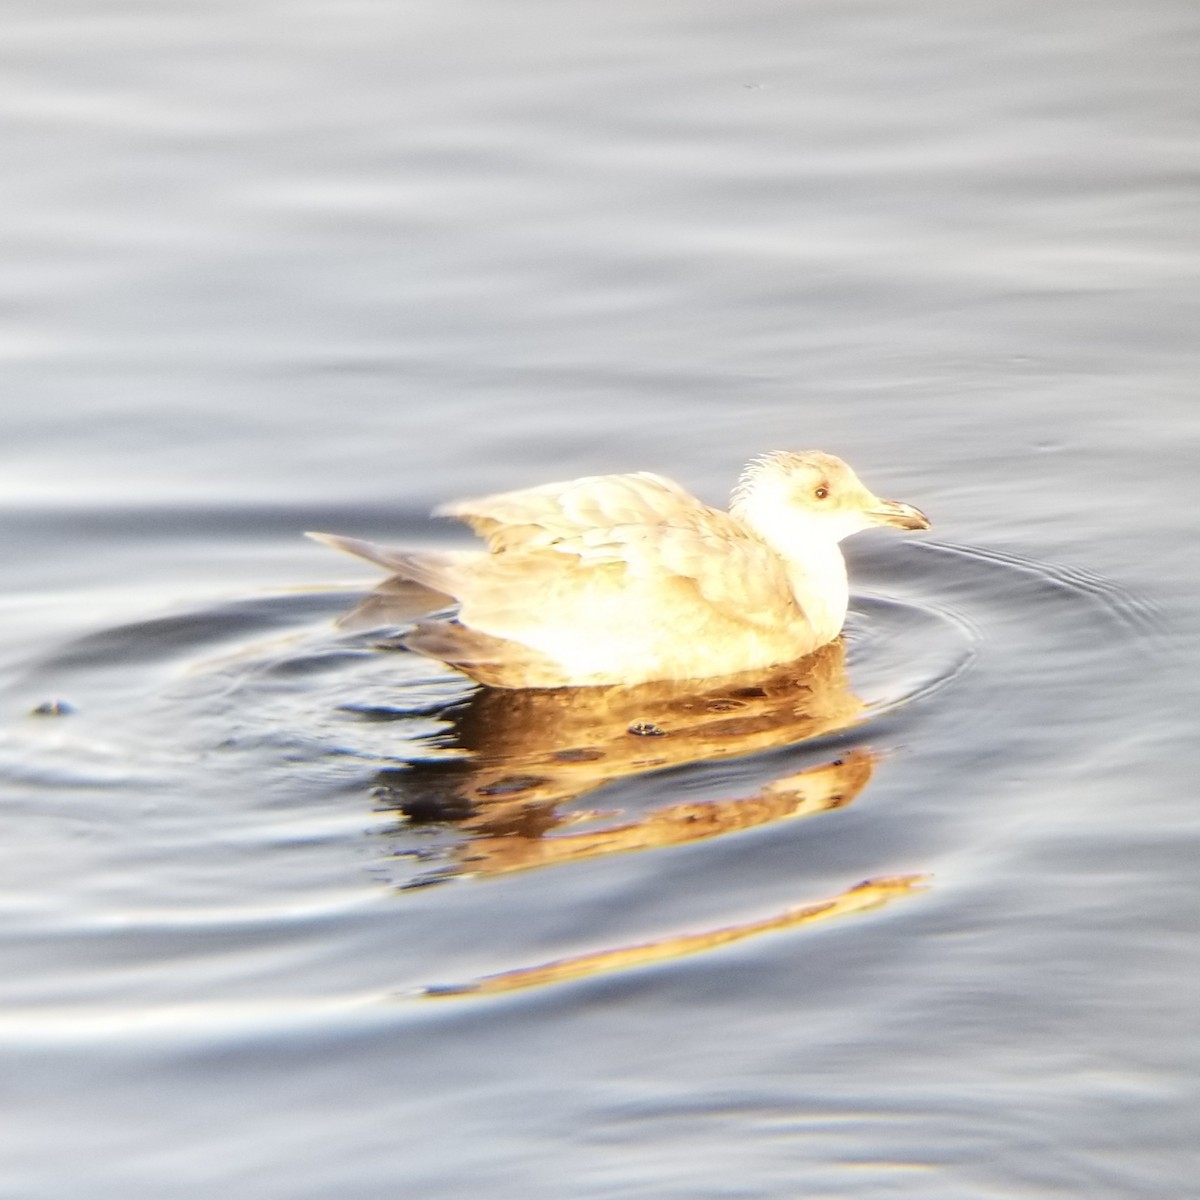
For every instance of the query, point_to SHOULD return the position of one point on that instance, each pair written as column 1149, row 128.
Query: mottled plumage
column 628, row 578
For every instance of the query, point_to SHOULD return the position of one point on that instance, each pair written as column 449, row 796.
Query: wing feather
column 732, row 571
column 642, row 525
column 639, row 527
column 540, row 516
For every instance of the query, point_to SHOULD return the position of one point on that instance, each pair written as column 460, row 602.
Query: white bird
column 628, row 579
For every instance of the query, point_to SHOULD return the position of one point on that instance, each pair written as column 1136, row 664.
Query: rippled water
column 288, row 911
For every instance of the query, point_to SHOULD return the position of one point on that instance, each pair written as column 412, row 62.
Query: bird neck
column 813, row 559
column 819, row 583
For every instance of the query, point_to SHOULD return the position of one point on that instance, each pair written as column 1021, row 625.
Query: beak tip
column 902, row 516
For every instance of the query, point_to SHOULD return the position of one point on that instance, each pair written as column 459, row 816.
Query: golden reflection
column 527, row 758
column 531, row 754
column 872, row 893
column 829, row 785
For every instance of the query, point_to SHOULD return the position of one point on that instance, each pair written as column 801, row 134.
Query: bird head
column 786, row 496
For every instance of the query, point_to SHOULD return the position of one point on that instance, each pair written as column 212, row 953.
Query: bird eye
column 821, row 493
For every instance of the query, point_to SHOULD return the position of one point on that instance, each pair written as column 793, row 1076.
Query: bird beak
column 903, row 516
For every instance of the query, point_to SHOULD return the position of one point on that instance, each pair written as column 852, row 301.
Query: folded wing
column 640, row 525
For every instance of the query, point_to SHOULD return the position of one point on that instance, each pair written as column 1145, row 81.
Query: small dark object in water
column 578, row 754
column 510, row 785
column 52, row 708
column 646, row 729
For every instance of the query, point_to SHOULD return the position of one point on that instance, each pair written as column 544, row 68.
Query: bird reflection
column 524, row 761
column 532, row 755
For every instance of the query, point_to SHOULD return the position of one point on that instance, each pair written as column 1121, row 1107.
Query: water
column 276, row 267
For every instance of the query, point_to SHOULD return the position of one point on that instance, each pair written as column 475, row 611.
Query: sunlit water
column 288, row 911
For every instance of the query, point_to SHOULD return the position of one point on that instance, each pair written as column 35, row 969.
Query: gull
column 629, row 579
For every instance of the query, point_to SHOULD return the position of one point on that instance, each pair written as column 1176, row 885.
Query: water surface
column 277, row 267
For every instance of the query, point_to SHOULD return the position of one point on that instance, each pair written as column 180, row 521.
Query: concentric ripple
column 272, row 787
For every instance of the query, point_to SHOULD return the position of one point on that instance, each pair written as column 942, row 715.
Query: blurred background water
column 269, row 267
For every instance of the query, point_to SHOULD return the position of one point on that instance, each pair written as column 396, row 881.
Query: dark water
column 269, row 267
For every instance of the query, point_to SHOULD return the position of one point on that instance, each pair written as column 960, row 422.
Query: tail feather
column 498, row 662
column 428, row 568
column 394, row 602
column 425, row 581
column 383, row 556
